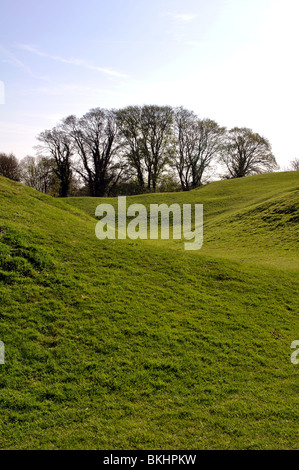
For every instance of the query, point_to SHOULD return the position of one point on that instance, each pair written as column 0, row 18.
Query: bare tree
column 57, row 145
column 197, row 143
column 38, row 173
column 246, row 153
column 9, row 166
column 147, row 132
column 29, row 173
column 155, row 141
column 183, row 145
column 295, row 164
column 98, row 144
column 129, row 122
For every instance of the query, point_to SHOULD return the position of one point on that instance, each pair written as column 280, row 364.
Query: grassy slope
column 243, row 218
column 128, row 345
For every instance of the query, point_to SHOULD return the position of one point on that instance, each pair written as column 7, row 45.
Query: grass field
column 122, row 344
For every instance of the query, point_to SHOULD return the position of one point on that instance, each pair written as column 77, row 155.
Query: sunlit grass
column 122, row 344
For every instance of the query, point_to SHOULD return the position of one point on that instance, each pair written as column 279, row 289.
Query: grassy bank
column 122, row 344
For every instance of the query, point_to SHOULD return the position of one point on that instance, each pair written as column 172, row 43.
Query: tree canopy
column 246, row 153
column 139, row 149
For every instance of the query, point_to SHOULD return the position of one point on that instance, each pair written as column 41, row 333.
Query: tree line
column 139, row 149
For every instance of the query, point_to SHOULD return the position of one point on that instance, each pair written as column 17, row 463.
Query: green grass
column 118, row 344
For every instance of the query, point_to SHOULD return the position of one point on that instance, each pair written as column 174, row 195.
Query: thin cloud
column 65, row 90
column 76, row 62
column 12, row 59
column 179, row 27
column 43, row 116
column 17, row 129
column 181, row 18
column 62, row 90
column 184, row 17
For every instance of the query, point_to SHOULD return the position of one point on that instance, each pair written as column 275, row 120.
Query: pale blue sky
column 234, row 61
